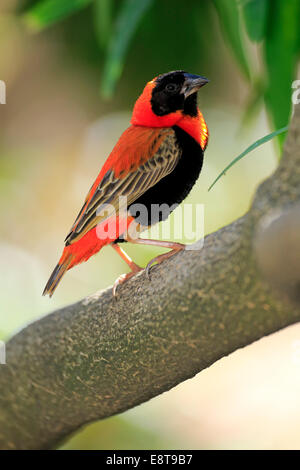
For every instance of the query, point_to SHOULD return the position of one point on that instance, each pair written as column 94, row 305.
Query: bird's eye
column 171, row 87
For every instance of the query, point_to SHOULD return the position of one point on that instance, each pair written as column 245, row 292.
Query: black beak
column 192, row 84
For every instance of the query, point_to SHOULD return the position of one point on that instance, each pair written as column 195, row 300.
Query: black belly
column 173, row 188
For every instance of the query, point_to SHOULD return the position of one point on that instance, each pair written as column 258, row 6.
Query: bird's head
column 167, row 98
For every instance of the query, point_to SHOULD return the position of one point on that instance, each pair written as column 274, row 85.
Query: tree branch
column 102, row 356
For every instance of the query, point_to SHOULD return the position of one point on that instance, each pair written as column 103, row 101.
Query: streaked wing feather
column 105, row 201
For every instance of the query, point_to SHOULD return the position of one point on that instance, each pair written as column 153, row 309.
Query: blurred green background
column 73, row 70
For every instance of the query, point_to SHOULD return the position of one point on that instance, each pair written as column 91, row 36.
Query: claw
column 123, row 278
column 160, row 258
column 148, row 267
column 175, row 247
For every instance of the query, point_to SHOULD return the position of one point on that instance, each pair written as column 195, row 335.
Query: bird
column 157, row 160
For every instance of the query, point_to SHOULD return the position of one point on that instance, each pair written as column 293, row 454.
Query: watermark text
column 2, row 92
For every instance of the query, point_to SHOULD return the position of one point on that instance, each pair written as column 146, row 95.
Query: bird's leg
column 175, row 247
column 135, row 268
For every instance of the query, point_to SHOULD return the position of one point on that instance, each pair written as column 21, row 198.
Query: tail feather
column 57, row 274
column 76, row 253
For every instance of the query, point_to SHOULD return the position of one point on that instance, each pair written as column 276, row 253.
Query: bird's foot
column 124, row 277
column 159, row 259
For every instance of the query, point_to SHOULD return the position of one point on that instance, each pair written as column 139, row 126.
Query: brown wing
column 106, row 201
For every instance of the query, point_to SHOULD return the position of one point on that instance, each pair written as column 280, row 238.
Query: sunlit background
column 72, row 76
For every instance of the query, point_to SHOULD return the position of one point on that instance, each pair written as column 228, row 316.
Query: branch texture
column 102, row 356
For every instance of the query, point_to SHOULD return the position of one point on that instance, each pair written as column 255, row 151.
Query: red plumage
column 121, row 174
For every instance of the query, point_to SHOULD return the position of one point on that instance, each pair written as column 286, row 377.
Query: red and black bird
column 157, row 160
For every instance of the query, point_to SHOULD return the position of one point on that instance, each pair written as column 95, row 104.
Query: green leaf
column 131, row 12
column 256, row 144
column 281, row 58
column 48, row 12
column 255, row 15
column 230, row 21
column 103, row 20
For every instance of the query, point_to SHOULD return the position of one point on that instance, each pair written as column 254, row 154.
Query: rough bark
column 102, row 356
